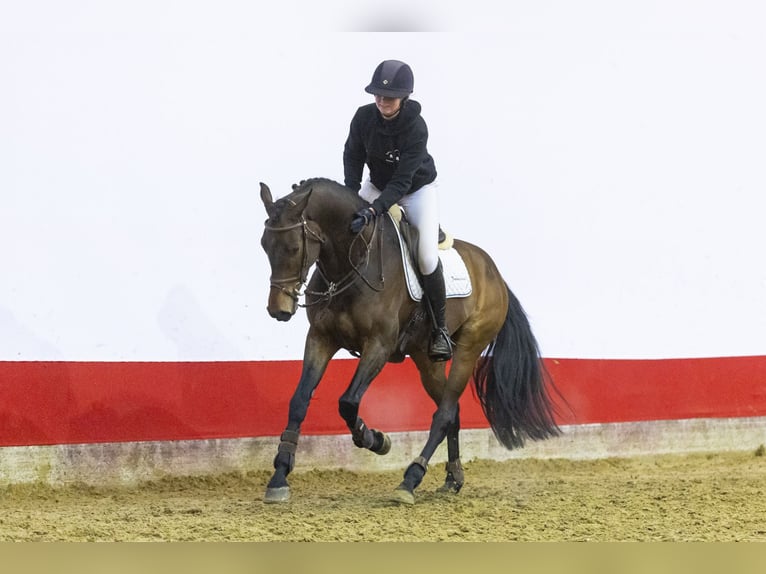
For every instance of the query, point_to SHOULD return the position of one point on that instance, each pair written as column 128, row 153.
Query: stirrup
column 440, row 346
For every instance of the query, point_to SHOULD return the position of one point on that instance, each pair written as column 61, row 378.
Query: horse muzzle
column 282, row 304
column 281, row 315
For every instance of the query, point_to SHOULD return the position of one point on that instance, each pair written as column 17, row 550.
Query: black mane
column 304, row 183
column 334, row 195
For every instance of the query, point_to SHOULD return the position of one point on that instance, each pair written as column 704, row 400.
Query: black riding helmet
column 392, row 79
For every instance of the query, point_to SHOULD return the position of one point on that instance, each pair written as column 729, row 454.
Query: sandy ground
column 713, row 497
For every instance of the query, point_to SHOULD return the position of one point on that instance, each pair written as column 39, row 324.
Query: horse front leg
column 370, row 364
column 316, row 357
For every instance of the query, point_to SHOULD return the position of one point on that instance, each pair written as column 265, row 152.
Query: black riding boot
column 440, row 346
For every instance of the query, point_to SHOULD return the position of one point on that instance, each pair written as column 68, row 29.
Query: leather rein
column 291, row 286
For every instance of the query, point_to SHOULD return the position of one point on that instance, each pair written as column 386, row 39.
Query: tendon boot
column 440, row 345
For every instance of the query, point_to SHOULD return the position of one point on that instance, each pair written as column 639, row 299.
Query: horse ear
column 268, row 202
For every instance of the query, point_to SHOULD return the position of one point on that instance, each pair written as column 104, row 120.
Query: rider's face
column 388, row 107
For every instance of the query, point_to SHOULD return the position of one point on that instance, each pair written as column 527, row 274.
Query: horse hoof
column 403, row 496
column 385, row 447
column 277, row 495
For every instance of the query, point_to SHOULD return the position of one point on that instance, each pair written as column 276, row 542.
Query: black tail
column 513, row 385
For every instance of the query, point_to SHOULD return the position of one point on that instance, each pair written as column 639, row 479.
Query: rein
column 357, row 271
column 333, row 287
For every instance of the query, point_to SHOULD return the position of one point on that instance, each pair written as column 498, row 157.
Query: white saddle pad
column 457, row 282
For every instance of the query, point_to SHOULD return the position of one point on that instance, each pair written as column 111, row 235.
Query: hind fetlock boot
column 440, row 345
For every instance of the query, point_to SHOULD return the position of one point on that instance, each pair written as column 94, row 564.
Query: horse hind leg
column 414, row 473
column 455, row 478
column 433, row 377
column 445, row 423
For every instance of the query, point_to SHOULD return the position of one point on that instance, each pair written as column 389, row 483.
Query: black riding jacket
column 394, row 150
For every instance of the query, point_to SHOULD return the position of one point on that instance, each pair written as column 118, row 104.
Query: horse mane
column 328, row 192
column 304, row 183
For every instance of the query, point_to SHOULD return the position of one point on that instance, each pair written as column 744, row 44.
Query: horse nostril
column 281, row 315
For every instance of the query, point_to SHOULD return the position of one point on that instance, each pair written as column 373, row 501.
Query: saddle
column 457, row 282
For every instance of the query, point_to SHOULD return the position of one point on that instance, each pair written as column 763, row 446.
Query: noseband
column 283, row 282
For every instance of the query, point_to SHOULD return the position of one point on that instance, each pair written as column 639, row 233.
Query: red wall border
column 88, row 402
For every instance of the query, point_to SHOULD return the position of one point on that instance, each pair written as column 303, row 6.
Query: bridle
column 291, row 286
column 282, row 283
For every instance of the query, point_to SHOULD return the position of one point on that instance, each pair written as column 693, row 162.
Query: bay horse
column 357, row 300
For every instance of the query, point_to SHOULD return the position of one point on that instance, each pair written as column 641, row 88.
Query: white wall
column 608, row 155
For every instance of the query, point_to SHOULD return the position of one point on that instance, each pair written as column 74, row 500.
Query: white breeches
column 422, row 209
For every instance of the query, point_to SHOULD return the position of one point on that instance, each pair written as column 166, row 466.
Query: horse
column 357, row 299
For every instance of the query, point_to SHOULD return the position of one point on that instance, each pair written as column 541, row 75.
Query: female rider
column 390, row 137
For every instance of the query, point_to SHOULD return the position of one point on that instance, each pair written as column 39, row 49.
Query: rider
column 390, row 136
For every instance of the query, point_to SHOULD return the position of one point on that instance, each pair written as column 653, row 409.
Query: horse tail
column 513, row 385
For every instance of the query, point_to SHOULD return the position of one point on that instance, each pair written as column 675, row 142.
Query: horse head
column 292, row 245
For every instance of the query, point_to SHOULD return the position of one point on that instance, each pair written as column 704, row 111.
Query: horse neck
column 333, row 213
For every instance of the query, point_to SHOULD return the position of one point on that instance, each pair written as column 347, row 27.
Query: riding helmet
column 392, row 79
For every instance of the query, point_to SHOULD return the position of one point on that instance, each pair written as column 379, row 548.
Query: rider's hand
column 362, row 218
